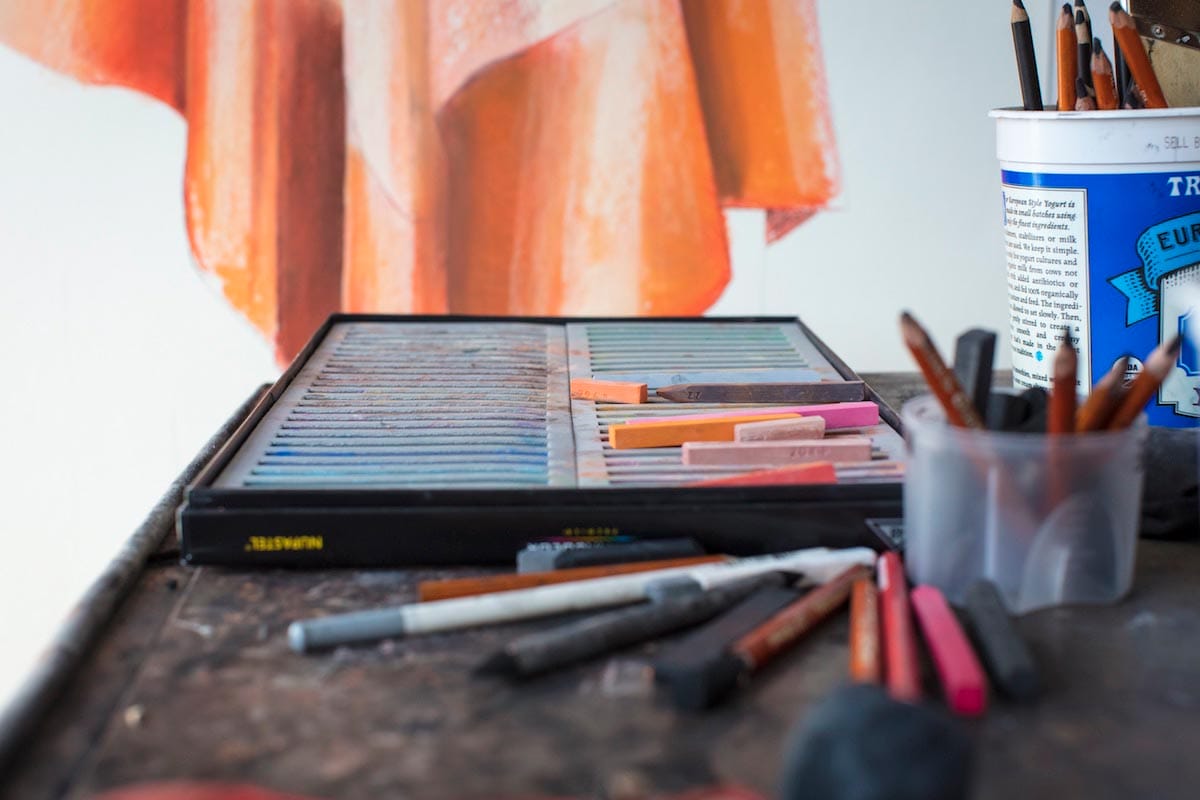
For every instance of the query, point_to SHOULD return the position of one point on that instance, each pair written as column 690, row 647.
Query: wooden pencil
column 1068, row 57
column 1083, row 97
column 1061, row 418
column 1102, row 78
column 1083, row 46
column 865, row 663
column 487, row 584
column 1031, row 90
column 1155, row 371
column 1129, row 42
column 958, row 407
column 1102, row 403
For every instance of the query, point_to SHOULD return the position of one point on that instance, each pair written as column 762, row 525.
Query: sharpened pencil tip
column 1019, row 4
column 1097, row 46
column 1115, row 7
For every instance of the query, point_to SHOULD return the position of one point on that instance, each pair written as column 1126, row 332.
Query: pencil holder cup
column 1101, row 217
column 1051, row 520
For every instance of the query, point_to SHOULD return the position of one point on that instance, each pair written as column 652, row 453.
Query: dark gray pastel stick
column 807, row 392
column 1005, row 653
column 602, row 633
column 648, row 550
column 682, row 666
column 540, row 556
column 974, row 354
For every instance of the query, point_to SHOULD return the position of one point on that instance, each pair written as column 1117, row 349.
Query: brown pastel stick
column 798, row 475
column 842, row 450
column 801, row 428
column 674, row 433
column 466, row 587
column 807, row 392
column 608, row 391
column 865, row 664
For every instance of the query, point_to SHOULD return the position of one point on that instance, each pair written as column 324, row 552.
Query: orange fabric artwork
column 526, row 157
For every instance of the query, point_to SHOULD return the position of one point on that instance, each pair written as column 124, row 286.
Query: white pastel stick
column 775, row 429
column 816, row 565
column 841, row 450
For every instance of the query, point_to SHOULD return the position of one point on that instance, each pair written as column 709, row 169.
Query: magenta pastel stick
column 859, row 414
column 963, row 681
column 841, row 450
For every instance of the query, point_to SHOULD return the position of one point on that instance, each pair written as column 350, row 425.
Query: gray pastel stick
column 806, row 392
column 602, row 633
column 974, row 353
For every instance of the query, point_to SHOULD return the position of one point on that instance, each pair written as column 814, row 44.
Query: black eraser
column 1039, row 402
column 974, row 352
column 860, row 744
column 1004, row 653
column 1006, row 411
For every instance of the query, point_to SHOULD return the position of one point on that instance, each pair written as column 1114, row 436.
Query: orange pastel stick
column 608, row 391
column 466, row 587
column 672, row 433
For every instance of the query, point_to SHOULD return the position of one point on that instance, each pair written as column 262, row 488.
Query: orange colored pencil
column 958, row 407
column 1102, row 78
column 1127, row 38
column 466, row 587
column 1158, row 365
column 1068, row 59
column 1102, row 403
column 865, row 664
column 1061, row 418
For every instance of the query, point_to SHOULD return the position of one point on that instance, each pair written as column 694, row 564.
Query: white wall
column 120, row 361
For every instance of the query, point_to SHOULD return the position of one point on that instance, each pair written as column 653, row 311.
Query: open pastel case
column 398, row 440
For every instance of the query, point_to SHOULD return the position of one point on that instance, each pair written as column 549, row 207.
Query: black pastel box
column 399, row 440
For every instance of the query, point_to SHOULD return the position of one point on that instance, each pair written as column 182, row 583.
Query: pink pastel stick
column 962, row 677
column 771, row 430
column 841, row 450
column 858, row 414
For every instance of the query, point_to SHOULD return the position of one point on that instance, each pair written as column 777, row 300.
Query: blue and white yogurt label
column 1117, row 258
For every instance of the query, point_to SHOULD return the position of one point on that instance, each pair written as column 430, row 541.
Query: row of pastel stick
column 780, row 445
column 1087, row 79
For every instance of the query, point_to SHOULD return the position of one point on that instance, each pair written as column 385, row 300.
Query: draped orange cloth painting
column 466, row 156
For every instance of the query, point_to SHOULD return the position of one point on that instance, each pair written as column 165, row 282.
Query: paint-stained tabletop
column 193, row 679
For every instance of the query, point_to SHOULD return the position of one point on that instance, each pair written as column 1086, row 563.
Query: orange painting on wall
column 529, row 157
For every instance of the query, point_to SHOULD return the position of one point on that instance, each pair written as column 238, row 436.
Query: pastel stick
column 807, row 392
column 801, row 428
column 1004, row 652
column 838, row 451
column 861, row 414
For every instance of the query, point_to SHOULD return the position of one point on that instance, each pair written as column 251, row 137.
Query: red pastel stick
column 899, row 646
column 962, row 677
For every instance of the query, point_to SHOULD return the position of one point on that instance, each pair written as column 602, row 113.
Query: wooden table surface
column 193, row 679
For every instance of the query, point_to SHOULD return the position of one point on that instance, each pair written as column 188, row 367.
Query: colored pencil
column 958, row 407
column 1102, row 78
column 1129, row 42
column 901, row 670
column 807, row 392
column 1031, row 90
column 1063, row 391
column 963, row 683
column 428, row 591
column 1067, row 58
column 1083, row 46
column 1155, row 371
column 865, row 664
column 1105, row 396
column 785, row 628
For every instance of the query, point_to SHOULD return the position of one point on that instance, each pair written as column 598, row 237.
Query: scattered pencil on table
column 866, row 665
column 816, row 564
column 901, row 671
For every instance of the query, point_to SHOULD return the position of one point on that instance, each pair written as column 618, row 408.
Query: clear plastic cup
column 1051, row 520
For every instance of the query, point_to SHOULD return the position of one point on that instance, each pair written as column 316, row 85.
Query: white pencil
column 817, row 565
